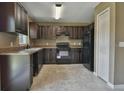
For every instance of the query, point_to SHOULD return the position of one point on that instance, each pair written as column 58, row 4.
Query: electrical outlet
column 79, row 43
column 74, row 43
column 11, row 44
column 47, row 44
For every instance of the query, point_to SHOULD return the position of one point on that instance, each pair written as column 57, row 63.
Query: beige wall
column 119, row 58
column 100, row 8
column 7, row 38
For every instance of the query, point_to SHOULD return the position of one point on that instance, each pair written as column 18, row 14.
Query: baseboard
column 120, row 87
column 110, row 85
column 95, row 73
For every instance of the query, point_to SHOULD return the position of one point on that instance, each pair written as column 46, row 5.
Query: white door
column 103, row 44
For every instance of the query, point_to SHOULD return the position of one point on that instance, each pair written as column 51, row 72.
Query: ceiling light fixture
column 58, row 10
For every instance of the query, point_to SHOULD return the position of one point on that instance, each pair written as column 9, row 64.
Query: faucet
column 27, row 46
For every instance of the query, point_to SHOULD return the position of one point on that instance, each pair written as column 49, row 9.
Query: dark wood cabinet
column 75, row 32
column 16, row 72
column 50, row 56
column 39, row 32
column 76, row 55
column 18, row 16
column 51, row 31
column 33, row 28
column 37, row 62
column 21, row 19
column 24, row 21
column 46, row 32
column 13, row 18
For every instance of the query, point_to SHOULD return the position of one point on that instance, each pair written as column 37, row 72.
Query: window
column 22, row 39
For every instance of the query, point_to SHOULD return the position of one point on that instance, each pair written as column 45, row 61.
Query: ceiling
column 75, row 12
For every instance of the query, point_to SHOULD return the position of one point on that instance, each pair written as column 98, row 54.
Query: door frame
column 97, row 43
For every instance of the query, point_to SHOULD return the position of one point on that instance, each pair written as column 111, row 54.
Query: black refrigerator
column 88, row 47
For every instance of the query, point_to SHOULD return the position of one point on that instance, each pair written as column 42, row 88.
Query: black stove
column 63, row 52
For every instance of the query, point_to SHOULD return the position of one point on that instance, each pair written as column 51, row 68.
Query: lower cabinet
column 16, row 72
column 76, row 55
column 37, row 62
column 50, row 56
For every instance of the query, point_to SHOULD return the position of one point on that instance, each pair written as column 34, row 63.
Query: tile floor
column 72, row 77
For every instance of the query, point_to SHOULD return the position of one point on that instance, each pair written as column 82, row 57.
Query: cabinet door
column 72, row 55
column 70, row 32
column 75, row 32
column 50, row 56
column 82, row 30
column 80, row 55
column 43, row 32
column 46, row 56
column 78, row 33
column 24, row 21
column 53, row 32
column 53, row 56
column 39, row 33
column 18, row 17
column 75, row 60
column 75, row 53
column 33, row 30
column 40, row 57
column 7, row 17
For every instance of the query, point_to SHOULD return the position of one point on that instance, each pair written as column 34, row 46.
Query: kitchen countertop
column 22, row 52
column 29, row 51
column 54, row 47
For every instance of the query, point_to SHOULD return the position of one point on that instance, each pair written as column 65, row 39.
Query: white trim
column 110, row 84
column 119, row 86
column 97, row 41
column 95, row 74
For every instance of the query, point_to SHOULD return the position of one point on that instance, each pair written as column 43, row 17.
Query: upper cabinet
column 13, row 18
column 46, row 32
column 33, row 28
column 52, row 31
column 24, row 21
column 75, row 32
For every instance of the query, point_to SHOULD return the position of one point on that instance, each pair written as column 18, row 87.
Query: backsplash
column 8, row 40
column 52, row 43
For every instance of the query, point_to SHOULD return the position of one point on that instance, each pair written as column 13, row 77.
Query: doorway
column 103, row 44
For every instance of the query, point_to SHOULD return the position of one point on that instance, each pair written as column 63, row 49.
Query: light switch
column 121, row 44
